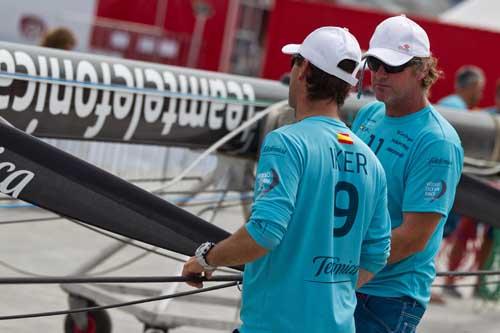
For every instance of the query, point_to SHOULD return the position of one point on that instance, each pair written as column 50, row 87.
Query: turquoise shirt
column 320, row 208
column 422, row 157
column 453, row 101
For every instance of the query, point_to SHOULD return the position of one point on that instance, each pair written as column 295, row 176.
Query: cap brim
column 390, row 57
column 291, row 49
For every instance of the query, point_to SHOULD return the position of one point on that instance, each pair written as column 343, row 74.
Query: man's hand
column 192, row 269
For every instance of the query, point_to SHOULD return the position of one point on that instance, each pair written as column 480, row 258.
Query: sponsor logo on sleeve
column 439, row 162
column 265, row 182
column 435, row 190
column 273, row 150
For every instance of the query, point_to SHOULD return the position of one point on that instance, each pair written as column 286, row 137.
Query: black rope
column 118, row 305
column 115, row 279
column 464, row 285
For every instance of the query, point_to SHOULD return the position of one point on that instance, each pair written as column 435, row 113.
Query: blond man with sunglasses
column 422, row 156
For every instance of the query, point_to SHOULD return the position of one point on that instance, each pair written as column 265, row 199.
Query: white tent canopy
column 484, row 14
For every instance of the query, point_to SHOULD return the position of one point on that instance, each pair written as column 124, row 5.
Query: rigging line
column 250, row 122
column 19, row 270
column 161, row 179
column 174, row 192
column 116, row 279
column 217, row 207
column 459, row 285
column 37, row 219
column 204, row 191
column 476, row 273
column 105, row 271
column 213, row 199
column 212, row 203
column 123, row 240
column 96, row 230
column 126, row 89
column 227, row 270
column 122, row 265
column 118, row 305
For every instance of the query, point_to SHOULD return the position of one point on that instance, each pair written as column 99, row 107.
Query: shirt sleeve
column 275, row 192
column 432, row 178
column 376, row 244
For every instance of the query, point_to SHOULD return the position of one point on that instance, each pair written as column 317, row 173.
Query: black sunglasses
column 296, row 57
column 374, row 64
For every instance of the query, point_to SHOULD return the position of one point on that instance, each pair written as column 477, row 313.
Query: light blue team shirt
column 422, row 157
column 453, row 101
column 320, row 209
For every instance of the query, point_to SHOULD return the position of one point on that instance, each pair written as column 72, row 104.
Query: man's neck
column 309, row 108
column 406, row 106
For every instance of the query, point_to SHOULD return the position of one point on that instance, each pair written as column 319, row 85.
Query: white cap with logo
column 326, row 47
column 397, row 40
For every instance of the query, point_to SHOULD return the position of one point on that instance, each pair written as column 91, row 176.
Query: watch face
column 200, row 254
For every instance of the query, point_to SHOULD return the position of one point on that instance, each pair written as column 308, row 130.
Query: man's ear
column 423, row 71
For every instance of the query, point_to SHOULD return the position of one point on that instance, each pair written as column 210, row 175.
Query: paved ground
column 61, row 247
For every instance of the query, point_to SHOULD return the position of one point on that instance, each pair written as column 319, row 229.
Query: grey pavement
column 60, row 247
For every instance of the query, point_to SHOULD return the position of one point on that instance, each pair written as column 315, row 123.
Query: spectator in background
column 496, row 108
column 469, row 86
column 59, row 38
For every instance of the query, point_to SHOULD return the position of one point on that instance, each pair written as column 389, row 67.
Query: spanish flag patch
column 344, row 138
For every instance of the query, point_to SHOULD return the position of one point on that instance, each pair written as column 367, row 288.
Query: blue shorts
column 376, row 314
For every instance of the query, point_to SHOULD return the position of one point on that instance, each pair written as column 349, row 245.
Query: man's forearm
column 363, row 277
column 238, row 249
column 402, row 246
column 412, row 235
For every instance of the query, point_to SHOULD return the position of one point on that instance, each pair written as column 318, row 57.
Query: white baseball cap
column 326, row 47
column 397, row 40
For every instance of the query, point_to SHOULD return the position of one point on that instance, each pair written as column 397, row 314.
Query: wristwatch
column 201, row 256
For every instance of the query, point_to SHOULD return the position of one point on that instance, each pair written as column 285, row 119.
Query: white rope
column 220, row 143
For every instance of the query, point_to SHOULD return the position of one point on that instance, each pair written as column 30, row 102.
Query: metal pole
column 229, row 35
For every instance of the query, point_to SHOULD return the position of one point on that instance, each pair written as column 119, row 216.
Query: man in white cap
column 319, row 219
column 422, row 156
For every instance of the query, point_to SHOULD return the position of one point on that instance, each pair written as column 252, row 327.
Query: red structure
column 454, row 46
column 164, row 31
column 160, row 30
